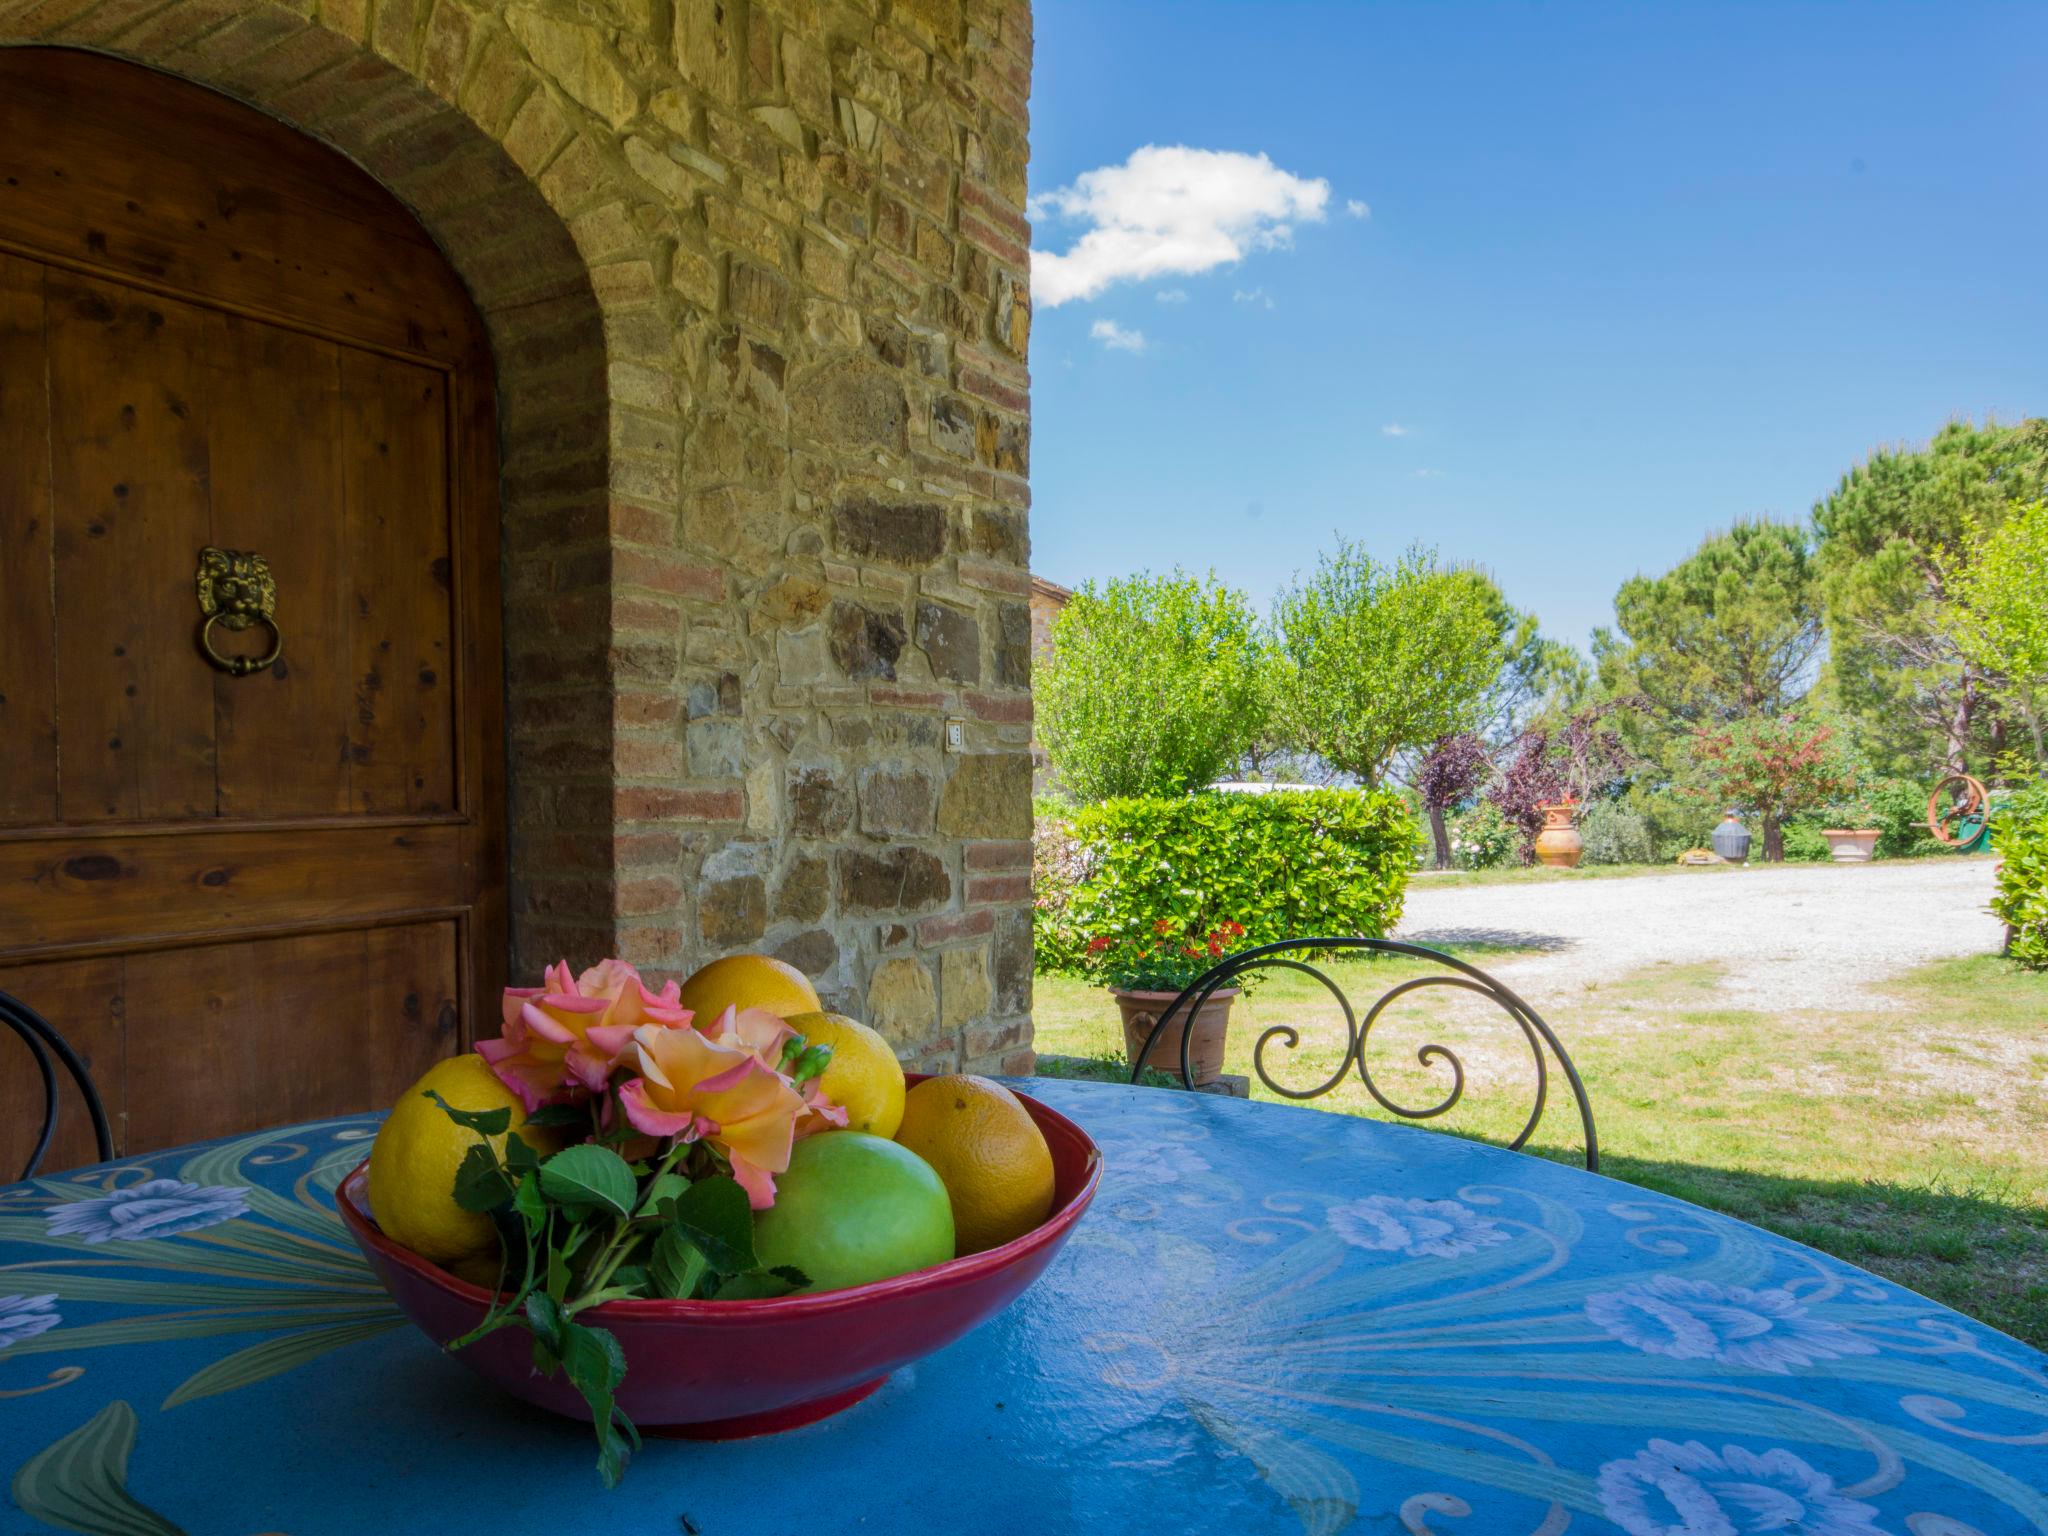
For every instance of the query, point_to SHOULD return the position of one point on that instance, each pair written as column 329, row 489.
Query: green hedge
column 2021, row 898
column 1286, row 865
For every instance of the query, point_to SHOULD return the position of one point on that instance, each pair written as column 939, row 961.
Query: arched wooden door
column 253, row 898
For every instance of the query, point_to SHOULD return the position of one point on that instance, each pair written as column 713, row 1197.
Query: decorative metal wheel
column 1300, row 954
column 1955, row 811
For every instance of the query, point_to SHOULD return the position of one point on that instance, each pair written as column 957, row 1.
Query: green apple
column 854, row 1208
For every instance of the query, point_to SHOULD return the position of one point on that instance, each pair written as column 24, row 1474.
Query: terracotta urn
column 1141, row 1010
column 1559, row 844
column 1851, row 847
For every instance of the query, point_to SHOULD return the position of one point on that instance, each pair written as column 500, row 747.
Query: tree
column 1732, row 630
column 1772, row 766
column 1154, row 685
column 2000, row 621
column 1385, row 657
column 1894, row 536
column 1450, row 770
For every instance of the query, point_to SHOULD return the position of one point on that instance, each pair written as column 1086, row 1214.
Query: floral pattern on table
column 1485, row 1339
column 1312, row 1322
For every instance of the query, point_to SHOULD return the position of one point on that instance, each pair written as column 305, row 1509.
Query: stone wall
column 755, row 272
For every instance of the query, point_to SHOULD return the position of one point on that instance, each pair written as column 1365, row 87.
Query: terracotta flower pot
column 1141, row 1010
column 1847, row 847
column 1559, row 844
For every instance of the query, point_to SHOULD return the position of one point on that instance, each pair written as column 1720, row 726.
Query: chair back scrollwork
column 1301, row 955
column 43, row 1043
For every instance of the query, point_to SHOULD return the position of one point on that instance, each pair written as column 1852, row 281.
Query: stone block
column 903, row 1004
column 964, row 990
column 988, row 796
column 896, row 802
column 951, row 642
column 898, row 880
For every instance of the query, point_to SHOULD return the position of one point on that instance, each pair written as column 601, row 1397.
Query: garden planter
column 1559, row 844
column 1141, row 1010
column 1731, row 840
column 1847, row 847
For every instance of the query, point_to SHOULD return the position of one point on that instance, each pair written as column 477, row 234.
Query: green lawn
column 1910, row 1139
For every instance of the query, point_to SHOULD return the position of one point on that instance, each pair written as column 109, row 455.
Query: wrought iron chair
column 43, row 1040
column 1296, row 955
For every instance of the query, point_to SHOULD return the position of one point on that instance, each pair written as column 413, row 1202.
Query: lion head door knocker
column 236, row 590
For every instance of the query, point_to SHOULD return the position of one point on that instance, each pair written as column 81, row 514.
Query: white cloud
column 1172, row 295
column 1393, row 429
column 1252, row 296
column 1357, row 208
column 1169, row 209
column 1116, row 338
column 1428, row 474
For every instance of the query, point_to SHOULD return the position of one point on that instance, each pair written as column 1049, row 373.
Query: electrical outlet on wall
column 956, row 735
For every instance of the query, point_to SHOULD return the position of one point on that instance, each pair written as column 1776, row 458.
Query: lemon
column 747, row 981
column 864, row 1076
column 988, row 1152
column 413, row 1163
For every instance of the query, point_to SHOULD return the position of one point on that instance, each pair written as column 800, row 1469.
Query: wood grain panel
column 143, row 890
column 242, row 1036
column 282, row 739
column 28, row 676
column 82, row 999
column 395, row 460
column 128, row 418
column 246, row 213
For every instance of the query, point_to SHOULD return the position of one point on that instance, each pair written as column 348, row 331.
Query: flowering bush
column 1483, row 838
column 1167, row 958
column 679, row 1126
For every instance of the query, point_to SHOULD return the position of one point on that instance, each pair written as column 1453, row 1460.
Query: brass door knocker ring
column 236, row 589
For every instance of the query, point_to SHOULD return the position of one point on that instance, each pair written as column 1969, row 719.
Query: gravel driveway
column 1789, row 936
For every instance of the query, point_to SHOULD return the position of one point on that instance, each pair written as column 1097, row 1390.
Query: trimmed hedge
column 1286, row 865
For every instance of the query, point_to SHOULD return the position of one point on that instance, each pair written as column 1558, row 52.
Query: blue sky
column 1629, row 273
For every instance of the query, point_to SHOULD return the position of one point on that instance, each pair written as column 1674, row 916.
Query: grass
column 1906, row 1136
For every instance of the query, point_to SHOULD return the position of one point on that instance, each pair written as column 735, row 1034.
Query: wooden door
column 247, row 899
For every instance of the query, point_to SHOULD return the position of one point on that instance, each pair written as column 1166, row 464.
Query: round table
column 1274, row 1319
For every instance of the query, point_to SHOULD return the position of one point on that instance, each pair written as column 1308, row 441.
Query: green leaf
column 714, row 1214
column 798, row 1280
column 552, row 1116
column 676, row 1265
column 556, row 1283
column 480, row 1183
column 485, row 1122
column 520, row 1157
column 758, row 1285
column 666, row 1186
column 544, row 1318
column 595, row 1365
column 529, row 1202
column 590, row 1176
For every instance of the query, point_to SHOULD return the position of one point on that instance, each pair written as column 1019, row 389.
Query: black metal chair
column 1296, row 954
column 43, row 1040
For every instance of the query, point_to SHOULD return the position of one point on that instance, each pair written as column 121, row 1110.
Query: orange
column 988, row 1152
column 748, row 981
column 864, row 1076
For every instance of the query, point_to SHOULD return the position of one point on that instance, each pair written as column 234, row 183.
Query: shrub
column 2021, row 898
column 1154, row 685
column 1285, row 866
column 1057, row 865
column 1803, row 842
column 1615, row 834
column 1483, row 838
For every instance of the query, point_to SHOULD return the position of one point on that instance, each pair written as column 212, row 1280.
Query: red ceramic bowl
column 720, row 1370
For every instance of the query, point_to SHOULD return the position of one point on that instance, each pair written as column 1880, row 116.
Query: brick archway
column 756, row 282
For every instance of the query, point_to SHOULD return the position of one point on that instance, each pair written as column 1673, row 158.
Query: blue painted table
column 1274, row 1319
